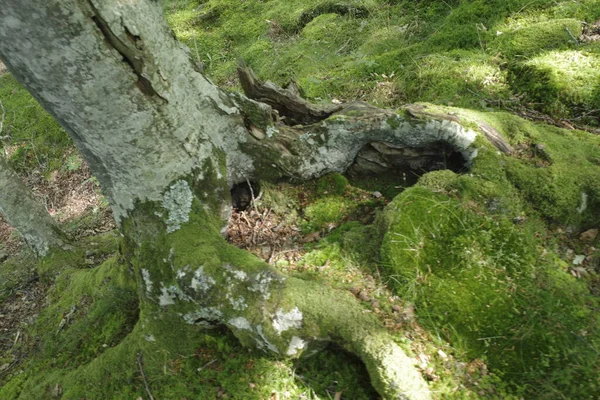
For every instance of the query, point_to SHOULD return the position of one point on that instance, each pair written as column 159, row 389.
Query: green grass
column 35, row 141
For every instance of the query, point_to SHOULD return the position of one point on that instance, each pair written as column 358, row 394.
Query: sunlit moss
column 480, row 281
column 562, row 83
column 530, row 39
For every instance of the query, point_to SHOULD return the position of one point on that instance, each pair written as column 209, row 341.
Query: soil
column 17, row 311
column 68, row 196
column 591, row 32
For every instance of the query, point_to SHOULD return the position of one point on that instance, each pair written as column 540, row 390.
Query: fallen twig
column 2, row 122
column 140, row 360
column 572, row 37
column 252, row 194
column 66, row 319
column 207, row 364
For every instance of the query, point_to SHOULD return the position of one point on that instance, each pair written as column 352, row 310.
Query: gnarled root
column 208, row 281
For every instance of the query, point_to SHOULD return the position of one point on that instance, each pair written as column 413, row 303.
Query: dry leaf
column 589, row 235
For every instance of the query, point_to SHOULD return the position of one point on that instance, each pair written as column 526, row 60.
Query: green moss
column 95, row 353
column 454, row 253
column 327, row 211
column 86, row 253
column 332, row 184
column 480, row 281
column 550, row 171
column 16, row 271
column 389, row 184
column 453, row 77
column 387, row 53
column 282, row 199
column 316, row 368
column 362, row 243
column 438, row 180
column 90, row 312
column 265, row 165
column 554, row 188
column 563, row 83
column 532, row 39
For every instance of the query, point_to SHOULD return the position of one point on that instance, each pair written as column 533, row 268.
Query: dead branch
column 289, row 104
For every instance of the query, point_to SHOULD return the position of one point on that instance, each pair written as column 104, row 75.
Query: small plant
column 73, row 163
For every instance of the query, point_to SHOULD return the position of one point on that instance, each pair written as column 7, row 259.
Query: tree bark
column 166, row 145
column 24, row 213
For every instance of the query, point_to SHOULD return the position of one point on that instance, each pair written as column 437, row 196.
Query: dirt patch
column 71, row 195
column 68, row 196
column 591, row 32
column 18, row 311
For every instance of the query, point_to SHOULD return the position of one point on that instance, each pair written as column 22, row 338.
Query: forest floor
column 538, row 60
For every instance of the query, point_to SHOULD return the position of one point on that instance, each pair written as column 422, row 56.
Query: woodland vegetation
column 415, row 189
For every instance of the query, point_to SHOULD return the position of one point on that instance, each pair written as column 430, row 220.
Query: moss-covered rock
column 552, row 170
column 460, row 248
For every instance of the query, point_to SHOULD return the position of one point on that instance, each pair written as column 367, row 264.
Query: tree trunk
column 166, row 145
column 25, row 214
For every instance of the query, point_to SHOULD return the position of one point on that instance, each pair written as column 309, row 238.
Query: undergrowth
column 392, row 52
column 463, row 264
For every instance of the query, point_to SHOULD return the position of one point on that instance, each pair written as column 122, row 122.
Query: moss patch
column 562, row 83
column 481, row 281
column 387, row 53
column 530, row 39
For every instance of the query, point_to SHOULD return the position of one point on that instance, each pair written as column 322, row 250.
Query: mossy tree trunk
column 21, row 210
column 166, row 145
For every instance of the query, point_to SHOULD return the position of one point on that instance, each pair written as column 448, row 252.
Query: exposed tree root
column 208, row 282
column 335, row 135
column 25, row 214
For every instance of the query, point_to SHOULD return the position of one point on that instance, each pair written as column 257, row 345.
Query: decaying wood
column 495, row 138
column 419, row 110
column 287, row 101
